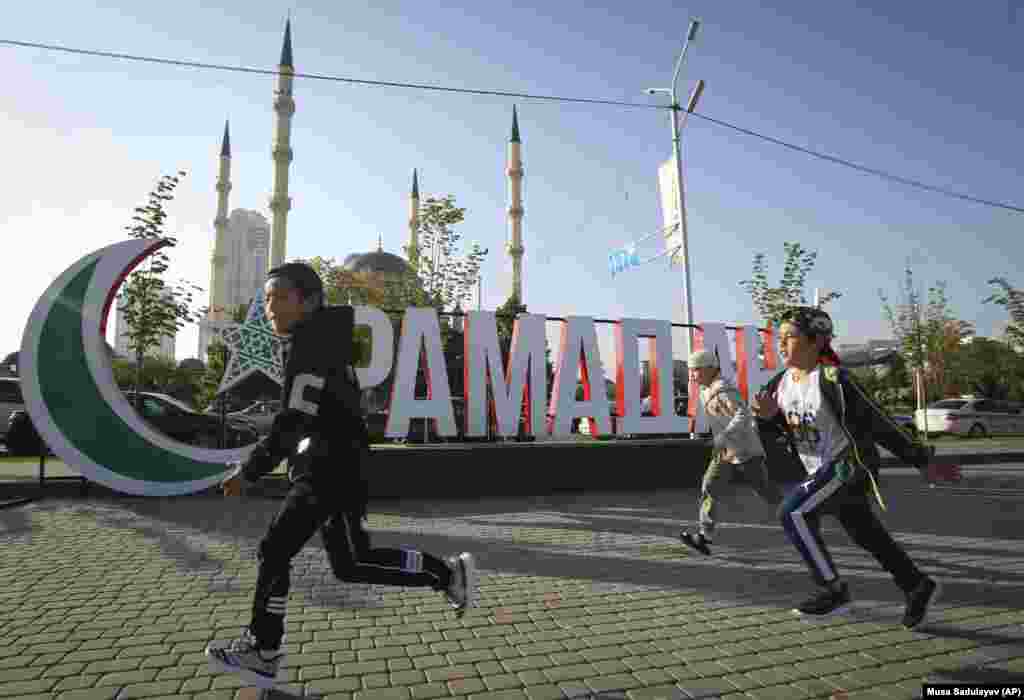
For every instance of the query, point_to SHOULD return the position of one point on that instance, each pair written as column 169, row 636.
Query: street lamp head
column 695, row 96
column 694, row 25
column 656, row 91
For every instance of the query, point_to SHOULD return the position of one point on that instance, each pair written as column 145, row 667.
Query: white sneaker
column 462, row 593
column 242, row 656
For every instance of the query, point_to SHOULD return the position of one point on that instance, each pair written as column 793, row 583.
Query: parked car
column 973, row 417
column 260, row 415
column 22, row 440
column 11, row 400
column 232, row 404
column 179, row 421
column 165, row 413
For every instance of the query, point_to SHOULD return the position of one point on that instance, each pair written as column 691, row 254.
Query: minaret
column 412, row 251
column 284, row 108
column 218, row 282
column 515, row 208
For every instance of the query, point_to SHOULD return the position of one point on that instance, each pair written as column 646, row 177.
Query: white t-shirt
column 819, row 437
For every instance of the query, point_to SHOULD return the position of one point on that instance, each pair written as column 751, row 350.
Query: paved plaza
column 582, row 596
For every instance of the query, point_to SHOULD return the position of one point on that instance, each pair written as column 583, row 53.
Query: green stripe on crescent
column 78, row 409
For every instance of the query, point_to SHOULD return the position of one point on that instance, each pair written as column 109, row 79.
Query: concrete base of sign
column 481, row 470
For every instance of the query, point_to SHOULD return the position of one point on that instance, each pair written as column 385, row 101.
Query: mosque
column 246, row 245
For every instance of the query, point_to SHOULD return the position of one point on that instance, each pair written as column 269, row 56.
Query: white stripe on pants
column 807, row 538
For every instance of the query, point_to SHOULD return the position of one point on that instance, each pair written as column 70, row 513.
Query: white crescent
column 74, row 402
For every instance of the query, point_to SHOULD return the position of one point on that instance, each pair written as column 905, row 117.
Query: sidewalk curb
column 967, row 459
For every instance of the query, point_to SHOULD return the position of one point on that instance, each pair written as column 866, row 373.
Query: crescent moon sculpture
column 74, row 402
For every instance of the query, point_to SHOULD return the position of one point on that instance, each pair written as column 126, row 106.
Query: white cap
column 702, row 358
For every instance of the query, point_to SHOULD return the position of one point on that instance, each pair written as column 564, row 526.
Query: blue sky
column 924, row 90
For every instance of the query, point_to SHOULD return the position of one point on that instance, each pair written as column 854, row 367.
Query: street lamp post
column 480, row 284
column 677, row 154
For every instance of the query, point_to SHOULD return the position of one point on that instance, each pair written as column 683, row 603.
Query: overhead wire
column 935, row 189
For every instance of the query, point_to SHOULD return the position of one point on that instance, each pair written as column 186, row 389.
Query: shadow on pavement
column 15, row 521
column 745, row 561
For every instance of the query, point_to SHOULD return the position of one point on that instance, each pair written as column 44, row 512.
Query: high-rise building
column 245, row 245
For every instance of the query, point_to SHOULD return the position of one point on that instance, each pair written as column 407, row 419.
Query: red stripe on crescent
column 121, row 278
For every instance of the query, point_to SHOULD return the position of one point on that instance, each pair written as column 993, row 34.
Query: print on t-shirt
column 818, row 435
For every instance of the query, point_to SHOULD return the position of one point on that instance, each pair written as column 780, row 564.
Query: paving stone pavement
column 582, row 596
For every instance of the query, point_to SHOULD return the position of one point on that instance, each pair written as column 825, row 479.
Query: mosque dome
column 376, row 262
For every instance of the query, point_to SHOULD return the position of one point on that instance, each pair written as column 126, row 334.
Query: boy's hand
column 234, row 484
column 765, row 406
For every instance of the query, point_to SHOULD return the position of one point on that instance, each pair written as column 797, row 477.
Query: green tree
column 152, row 308
column 1012, row 300
column 928, row 333
column 158, row 374
column 505, row 321
column 343, row 287
column 210, row 380
column 988, row 368
column 446, row 277
column 891, row 386
column 770, row 302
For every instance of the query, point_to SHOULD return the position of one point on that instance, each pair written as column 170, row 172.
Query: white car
column 973, row 417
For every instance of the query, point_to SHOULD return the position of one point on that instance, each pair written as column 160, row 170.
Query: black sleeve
column 884, row 430
column 288, row 428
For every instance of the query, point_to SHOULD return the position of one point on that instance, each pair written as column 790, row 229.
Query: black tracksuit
column 847, row 497
column 321, row 431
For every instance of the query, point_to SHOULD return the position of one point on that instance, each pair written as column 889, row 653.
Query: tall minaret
column 412, row 251
column 284, row 108
column 515, row 208
column 218, row 281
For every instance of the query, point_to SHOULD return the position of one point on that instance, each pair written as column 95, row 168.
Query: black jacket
column 863, row 421
column 320, row 401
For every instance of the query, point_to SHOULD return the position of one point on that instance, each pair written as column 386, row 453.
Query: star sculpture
column 253, row 346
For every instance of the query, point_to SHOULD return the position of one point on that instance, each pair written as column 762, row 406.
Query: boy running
column 832, row 425
column 736, row 447
column 321, row 432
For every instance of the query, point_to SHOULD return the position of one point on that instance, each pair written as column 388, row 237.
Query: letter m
column 525, row 376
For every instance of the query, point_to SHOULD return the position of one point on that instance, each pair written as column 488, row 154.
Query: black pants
column 827, row 494
column 309, row 507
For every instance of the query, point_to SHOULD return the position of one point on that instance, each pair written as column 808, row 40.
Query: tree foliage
column 446, row 277
column 152, row 308
column 988, row 368
column 928, row 333
column 891, row 385
column 161, row 375
column 769, row 301
column 358, row 289
column 1012, row 300
column 212, row 375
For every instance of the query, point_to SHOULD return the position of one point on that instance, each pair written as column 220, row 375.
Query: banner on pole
column 622, row 259
column 668, row 188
